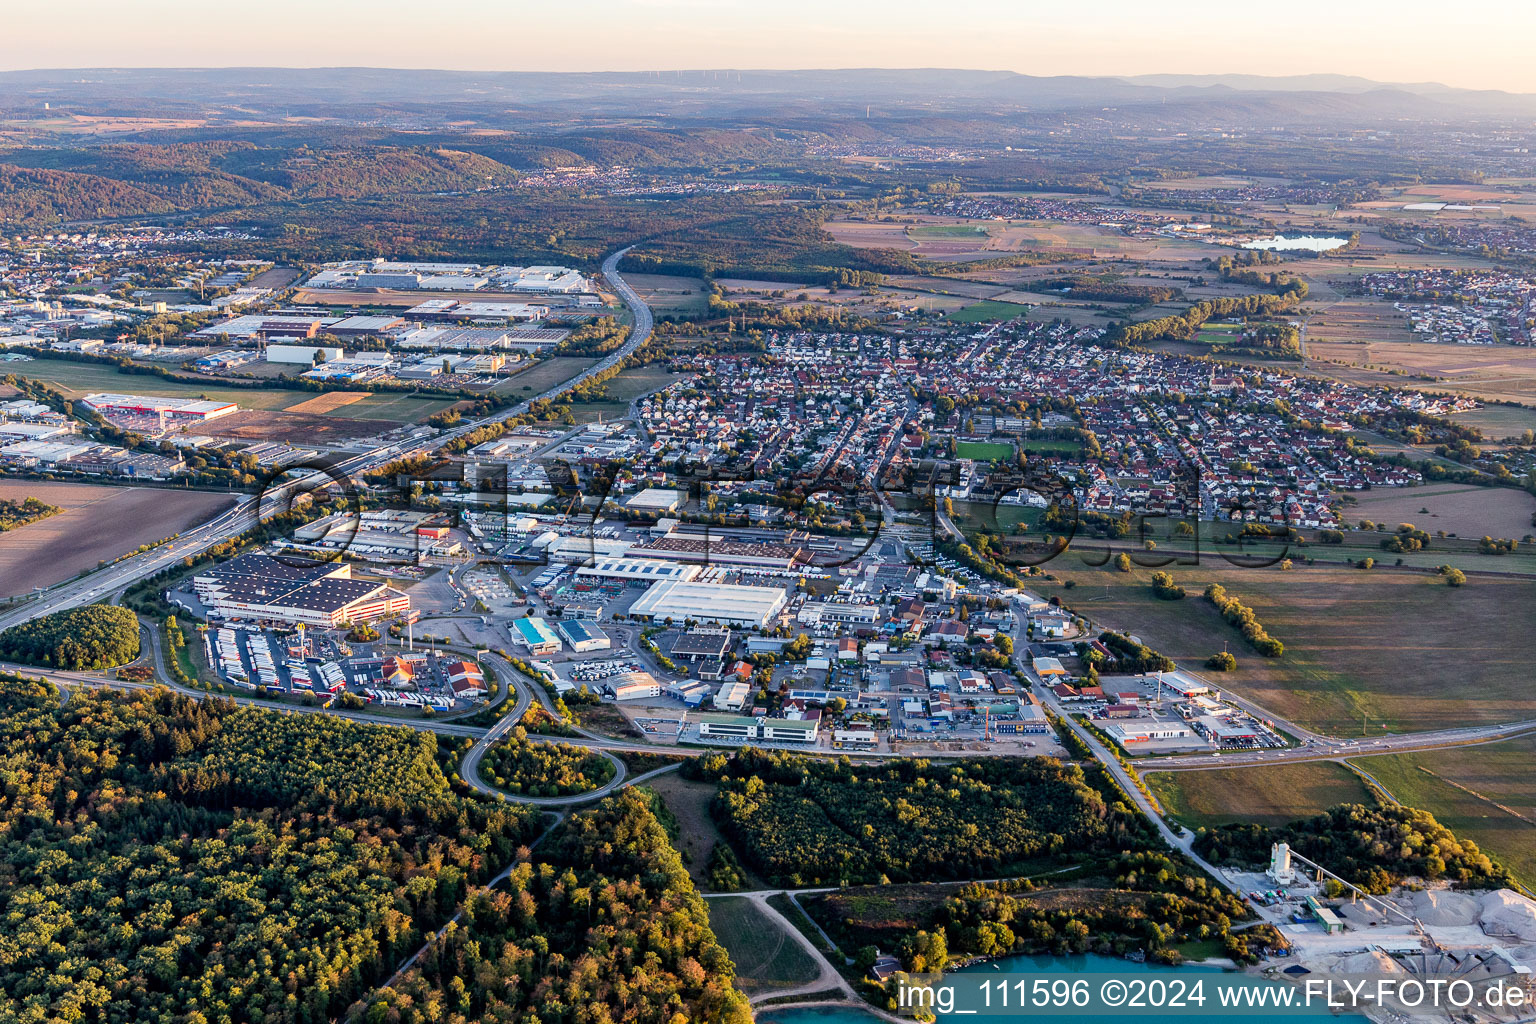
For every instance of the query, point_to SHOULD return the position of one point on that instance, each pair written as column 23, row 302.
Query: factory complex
column 261, row 588
column 448, row 277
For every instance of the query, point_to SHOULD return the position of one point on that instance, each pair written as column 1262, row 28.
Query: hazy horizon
column 1403, row 43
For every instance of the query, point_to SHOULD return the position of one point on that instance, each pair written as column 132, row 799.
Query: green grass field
column 766, row 957
column 75, row 380
column 983, row 451
column 1208, row 336
column 640, row 380
column 981, row 312
column 1482, row 793
column 948, row 231
column 1402, row 650
column 1266, row 795
column 543, row 375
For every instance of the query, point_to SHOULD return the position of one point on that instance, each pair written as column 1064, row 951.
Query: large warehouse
column 722, row 551
column 639, row 570
column 156, row 412
column 728, row 604
column 259, row 588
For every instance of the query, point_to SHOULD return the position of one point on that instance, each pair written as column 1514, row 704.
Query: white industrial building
column 641, row 570
column 727, row 604
column 734, row 696
column 302, row 355
column 633, row 686
column 656, row 499
column 1141, row 730
column 578, row 550
column 584, row 636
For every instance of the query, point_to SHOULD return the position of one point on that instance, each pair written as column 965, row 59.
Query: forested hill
column 165, row 859
column 41, row 187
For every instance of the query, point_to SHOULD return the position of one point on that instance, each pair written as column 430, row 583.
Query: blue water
column 1036, row 965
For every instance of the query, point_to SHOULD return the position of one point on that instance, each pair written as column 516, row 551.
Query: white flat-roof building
column 656, row 499
column 728, row 604
column 734, row 696
column 644, row 570
column 1140, row 730
column 633, row 686
column 584, row 636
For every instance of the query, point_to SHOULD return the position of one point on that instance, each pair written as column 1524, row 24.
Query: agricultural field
column 988, row 310
column 968, row 231
column 293, row 428
column 395, row 407
column 1482, row 793
column 684, row 296
column 766, row 956
column 1269, row 795
column 1489, row 373
column 1462, row 509
column 1392, row 646
column 983, row 451
column 98, row 523
column 1363, row 321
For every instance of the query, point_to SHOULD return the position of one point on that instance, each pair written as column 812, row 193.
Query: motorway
column 276, row 499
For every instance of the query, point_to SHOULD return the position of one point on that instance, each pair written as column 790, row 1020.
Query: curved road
column 244, row 514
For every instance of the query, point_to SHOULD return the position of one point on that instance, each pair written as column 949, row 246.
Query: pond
column 1291, row 243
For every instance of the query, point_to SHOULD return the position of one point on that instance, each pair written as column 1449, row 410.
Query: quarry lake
column 1291, row 243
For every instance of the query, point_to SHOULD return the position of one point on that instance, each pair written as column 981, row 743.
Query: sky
column 1478, row 45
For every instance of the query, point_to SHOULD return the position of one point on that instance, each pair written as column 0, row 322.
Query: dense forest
column 159, row 864
column 93, row 637
column 545, row 769
column 1375, row 847
column 604, row 926
column 804, row 822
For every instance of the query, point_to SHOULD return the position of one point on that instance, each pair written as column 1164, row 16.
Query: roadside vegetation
column 544, row 769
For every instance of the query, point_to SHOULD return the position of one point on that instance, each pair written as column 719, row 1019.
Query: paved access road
column 1332, row 749
column 115, row 578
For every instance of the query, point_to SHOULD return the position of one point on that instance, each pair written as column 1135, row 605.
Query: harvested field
column 1268, row 795
column 396, row 407
column 1401, row 648
column 98, row 523
column 665, row 294
column 1462, row 509
column 866, row 235
column 293, row 428
column 328, row 402
column 1358, row 321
